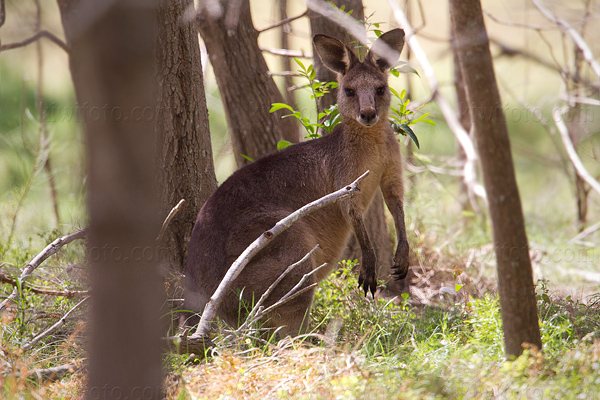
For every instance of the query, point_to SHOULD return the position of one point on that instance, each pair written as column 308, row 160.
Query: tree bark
column 375, row 216
column 184, row 148
column 515, row 277
column 112, row 63
column 247, row 90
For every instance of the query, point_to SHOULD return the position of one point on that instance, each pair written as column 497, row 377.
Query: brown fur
column 255, row 197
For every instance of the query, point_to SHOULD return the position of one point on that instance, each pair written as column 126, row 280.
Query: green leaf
column 395, row 72
column 279, row 106
column 457, row 287
column 405, row 130
column 247, row 158
column 282, row 144
column 405, row 296
column 300, row 64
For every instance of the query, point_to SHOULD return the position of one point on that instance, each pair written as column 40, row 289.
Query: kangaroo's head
column 363, row 92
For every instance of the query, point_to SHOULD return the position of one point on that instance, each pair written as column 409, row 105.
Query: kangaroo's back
column 260, row 194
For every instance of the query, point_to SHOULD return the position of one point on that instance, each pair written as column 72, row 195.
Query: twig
column 51, row 249
column 238, row 265
column 469, row 170
column 283, row 22
column 517, row 24
column 64, row 293
column 580, row 42
column 59, row 323
column 586, row 232
column 575, row 160
column 33, row 38
column 287, row 53
column 55, row 373
column 266, row 294
column 167, row 221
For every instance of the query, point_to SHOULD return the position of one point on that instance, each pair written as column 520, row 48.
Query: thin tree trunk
column 112, row 64
column 247, row 90
column 286, row 61
column 375, row 217
column 515, row 277
column 184, row 148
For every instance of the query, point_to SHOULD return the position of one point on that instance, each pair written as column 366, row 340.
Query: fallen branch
column 557, row 115
column 69, row 294
column 267, row 293
column 199, row 341
column 58, row 324
column 55, row 373
column 51, row 249
column 33, row 38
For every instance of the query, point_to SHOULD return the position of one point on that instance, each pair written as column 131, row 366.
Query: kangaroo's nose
column 368, row 116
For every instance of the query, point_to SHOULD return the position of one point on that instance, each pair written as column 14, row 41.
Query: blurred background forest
column 539, row 70
column 443, row 336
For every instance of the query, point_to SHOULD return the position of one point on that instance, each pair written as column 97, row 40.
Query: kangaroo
column 260, row 194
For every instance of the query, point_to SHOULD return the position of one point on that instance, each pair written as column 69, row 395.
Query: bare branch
column 58, row 324
column 287, row 53
column 266, row 294
column 238, row 265
column 171, row 215
column 283, row 22
column 55, row 373
column 469, row 174
column 33, row 38
column 588, row 55
column 51, row 249
column 557, row 115
column 64, row 293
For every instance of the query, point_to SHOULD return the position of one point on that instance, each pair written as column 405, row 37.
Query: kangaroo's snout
column 368, row 116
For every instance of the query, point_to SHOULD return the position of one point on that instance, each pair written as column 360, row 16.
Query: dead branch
column 557, row 115
column 587, row 53
column 170, row 217
column 55, row 373
column 283, row 22
column 200, row 337
column 292, row 294
column 69, row 294
column 469, row 170
column 266, row 294
column 58, row 324
column 287, row 53
column 36, row 36
column 51, row 249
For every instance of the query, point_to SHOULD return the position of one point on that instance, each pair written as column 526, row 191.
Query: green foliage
column 402, row 117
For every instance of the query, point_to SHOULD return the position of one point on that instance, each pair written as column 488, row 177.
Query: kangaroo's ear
column 386, row 50
column 334, row 54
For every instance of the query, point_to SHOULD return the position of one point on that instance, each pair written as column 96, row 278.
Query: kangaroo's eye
column 381, row 91
column 350, row 92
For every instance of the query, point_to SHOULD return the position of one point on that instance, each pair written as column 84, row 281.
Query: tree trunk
column 515, row 277
column 462, row 105
column 112, row 63
column 247, row 90
column 184, row 148
column 375, row 216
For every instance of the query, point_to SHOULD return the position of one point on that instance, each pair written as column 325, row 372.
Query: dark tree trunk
column 515, row 278
column 112, row 63
column 375, row 217
column 247, row 90
column 184, row 148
